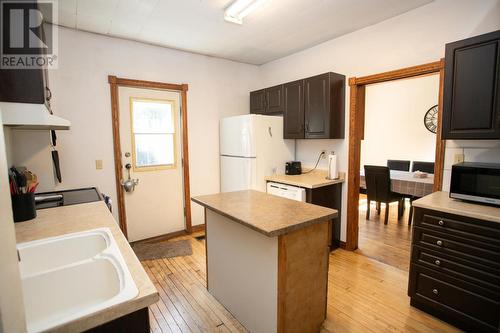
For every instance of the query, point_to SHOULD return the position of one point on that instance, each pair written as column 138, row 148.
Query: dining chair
column 378, row 189
column 423, row 166
column 400, row 165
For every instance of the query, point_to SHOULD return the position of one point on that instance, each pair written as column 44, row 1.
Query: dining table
column 405, row 182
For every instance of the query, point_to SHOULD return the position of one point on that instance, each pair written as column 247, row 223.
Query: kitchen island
column 267, row 259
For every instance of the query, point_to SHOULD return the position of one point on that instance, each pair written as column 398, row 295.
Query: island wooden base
column 270, row 284
column 303, row 279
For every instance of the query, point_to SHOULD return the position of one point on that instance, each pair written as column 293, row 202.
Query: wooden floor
column 388, row 243
column 364, row 295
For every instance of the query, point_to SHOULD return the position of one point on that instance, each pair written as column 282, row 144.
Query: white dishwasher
column 287, row 191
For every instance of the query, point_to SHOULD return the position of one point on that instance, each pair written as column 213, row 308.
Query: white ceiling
column 274, row 30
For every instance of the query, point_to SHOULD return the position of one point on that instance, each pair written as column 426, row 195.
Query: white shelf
column 31, row 117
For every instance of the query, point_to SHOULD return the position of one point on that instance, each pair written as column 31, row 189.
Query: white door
column 237, row 173
column 150, row 139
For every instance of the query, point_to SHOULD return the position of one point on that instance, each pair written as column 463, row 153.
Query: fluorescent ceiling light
column 239, row 9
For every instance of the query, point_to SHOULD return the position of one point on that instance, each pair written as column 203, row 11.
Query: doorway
column 357, row 132
column 150, row 149
column 399, row 135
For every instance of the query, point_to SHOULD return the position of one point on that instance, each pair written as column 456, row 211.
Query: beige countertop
column 268, row 214
column 442, row 202
column 68, row 219
column 314, row 179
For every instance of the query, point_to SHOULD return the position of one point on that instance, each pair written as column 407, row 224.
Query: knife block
column 23, row 207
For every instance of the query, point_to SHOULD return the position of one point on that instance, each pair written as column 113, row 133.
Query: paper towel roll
column 332, row 166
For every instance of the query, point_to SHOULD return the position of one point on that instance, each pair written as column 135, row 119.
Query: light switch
column 98, row 164
column 458, row 158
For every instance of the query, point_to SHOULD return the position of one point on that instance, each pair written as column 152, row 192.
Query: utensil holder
column 23, row 207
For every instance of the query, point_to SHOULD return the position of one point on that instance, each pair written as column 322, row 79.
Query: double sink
column 70, row 276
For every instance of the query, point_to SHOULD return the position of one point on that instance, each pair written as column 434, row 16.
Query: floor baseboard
column 161, row 238
column 199, row 227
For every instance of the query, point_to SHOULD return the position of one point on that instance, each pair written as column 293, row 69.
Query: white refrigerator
column 251, row 148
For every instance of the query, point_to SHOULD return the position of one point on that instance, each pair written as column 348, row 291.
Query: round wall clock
column 431, row 120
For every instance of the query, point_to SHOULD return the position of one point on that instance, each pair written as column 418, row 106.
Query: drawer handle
column 441, row 222
column 439, row 243
column 435, row 291
column 437, row 262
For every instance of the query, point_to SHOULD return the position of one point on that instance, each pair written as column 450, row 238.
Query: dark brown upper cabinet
column 324, row 98
column 313, row 108
column 293, row 115
column 267, row 101
column 258, row 101
column 471, row 106
column 275, row 99
column 26, row 85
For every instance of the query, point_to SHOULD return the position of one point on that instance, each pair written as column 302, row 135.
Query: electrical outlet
column 458, row 158
column 98, row 164
column 324, row 154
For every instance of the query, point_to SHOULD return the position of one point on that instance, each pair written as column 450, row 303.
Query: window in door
column 153, row 134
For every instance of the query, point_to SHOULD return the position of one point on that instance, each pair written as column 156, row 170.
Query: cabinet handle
column 49, row 94
column 307, row 127
column 441, row 222
column 439, row 243
column 437, row 262
column 435, row 291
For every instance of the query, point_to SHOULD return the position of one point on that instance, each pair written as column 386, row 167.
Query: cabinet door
column 25, row 85
column 471, row 109
column 275, row 99
column 293, row 113
column 22, row 86
column 258, row 101
column 317, row 106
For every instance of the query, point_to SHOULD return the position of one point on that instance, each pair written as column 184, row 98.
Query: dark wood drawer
column 466, row 248
column 472, row 271
column 479, row 230
column 466, row 305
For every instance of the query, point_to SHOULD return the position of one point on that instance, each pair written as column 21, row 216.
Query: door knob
column 129, row 184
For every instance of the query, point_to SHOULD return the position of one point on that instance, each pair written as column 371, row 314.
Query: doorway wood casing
column 114, row 83
column 356, row 134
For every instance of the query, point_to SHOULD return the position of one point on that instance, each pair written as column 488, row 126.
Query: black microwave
column 478, row 182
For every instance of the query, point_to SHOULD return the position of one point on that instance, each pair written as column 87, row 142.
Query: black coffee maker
column 293, row 168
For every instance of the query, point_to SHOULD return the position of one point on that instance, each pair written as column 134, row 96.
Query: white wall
column 413, row 38
column 217, row 88
column 394, row 126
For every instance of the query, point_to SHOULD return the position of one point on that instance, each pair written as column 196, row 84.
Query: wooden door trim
column 356, row 133
column 114, row 83
column 122, row 82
